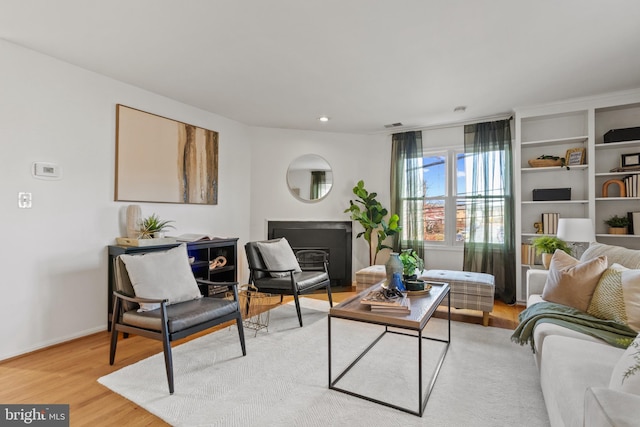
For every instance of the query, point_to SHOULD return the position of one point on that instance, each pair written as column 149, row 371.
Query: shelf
column 543, row 142
column 617, row 173
column 546, row 202
column 615, row 199
column 554, row 168
column 621, row 144
column 622, row 236
column 535, row 234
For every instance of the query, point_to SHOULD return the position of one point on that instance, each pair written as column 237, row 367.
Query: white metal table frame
column 392, row 321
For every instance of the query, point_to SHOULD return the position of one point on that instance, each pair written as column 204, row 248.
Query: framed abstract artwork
column 164, row 160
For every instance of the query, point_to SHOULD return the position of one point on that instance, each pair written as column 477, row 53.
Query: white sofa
column 575, row 369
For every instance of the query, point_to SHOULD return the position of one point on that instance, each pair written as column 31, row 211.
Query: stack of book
column 381, row 303
column 550, row 222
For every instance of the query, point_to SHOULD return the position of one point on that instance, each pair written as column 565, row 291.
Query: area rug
column 485, row 379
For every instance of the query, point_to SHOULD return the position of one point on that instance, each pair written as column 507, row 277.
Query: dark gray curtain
column 318, row 179
column 407, row 190
column 490, row 248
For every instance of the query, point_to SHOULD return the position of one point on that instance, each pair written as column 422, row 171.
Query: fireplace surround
column 332, row 237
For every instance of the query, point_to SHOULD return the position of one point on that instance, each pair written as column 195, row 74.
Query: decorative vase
column 546, row 260
column 618, row 230
column 394, row 265
column 134, row 213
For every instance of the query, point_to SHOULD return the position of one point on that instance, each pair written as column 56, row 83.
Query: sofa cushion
column 162, row 275
column 630, row 258
column 568, row 367
column 571, row 282
column 631, row 297
column 278, row 255
column 626, row 373
column 604, row 407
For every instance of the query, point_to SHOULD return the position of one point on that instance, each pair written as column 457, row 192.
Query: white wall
column 54, row 257
column 352, row 158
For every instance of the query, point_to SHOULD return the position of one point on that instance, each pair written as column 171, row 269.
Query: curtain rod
column 503, row 116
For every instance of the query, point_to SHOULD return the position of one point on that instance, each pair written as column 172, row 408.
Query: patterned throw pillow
column 626, row 374
column 608, row 300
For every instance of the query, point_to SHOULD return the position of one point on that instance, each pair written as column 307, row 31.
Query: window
column 448, row 191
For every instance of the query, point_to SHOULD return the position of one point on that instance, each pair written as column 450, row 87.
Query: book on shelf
column 195, row 237
column 550, row 222
column 631, row 185
column 528, row 254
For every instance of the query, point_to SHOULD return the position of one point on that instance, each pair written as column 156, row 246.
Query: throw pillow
column 608, row 301
column 278, row 255
column 571, row 282
column 626, row 373
column 162, row 275
column 631, row 296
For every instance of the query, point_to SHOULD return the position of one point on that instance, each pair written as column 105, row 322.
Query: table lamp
column 577, row 231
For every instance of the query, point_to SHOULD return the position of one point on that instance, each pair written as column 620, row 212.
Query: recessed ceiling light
column 460, row 109
column 323, row 119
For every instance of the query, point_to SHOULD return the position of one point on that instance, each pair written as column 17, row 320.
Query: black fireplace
column 332, row 237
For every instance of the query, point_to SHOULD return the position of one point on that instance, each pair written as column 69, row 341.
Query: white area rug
column 485, row 380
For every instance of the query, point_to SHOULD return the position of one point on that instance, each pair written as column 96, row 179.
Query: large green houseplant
column 370, row 213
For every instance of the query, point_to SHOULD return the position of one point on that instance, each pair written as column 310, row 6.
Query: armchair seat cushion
column 304, row 279
column 183, row 315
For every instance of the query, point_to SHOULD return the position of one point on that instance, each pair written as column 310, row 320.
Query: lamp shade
column 576, row 230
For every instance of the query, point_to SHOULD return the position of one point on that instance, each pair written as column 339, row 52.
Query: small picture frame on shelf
column 630, row 159
column 575, row 156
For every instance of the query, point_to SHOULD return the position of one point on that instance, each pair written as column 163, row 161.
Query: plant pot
column 546, row 260
column 618, row 230
column 159, row 235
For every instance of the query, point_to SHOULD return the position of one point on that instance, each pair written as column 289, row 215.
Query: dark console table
column 203, row 251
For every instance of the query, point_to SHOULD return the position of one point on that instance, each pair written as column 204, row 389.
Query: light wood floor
column 67, row 373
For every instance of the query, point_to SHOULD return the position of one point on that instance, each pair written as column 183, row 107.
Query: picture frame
column 162, row 160
column 627, row 160
column 575, row 156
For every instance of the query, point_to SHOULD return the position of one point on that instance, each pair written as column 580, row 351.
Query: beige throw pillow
column 626, row 374
column 571, row 282
column 162, row 275
column 278, row 255
column 631, row 297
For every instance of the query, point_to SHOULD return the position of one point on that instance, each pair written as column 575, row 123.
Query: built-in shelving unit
column 552, row 130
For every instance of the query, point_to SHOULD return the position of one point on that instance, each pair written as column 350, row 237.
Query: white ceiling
column 364, row 63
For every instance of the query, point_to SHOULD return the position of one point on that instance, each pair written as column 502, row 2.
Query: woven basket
column 544, row 163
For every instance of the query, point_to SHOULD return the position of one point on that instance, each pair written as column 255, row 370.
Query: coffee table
column 411, row 325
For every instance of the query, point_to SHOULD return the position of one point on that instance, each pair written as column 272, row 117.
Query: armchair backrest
column 123, row 283
column 254, row 258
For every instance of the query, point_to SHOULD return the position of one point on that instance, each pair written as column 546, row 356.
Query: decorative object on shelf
column 627, row 160
column 546, row 161
column 547, row 245
column 134, row 213
column 393, row 265
column 218, row 262
column 619, row 183
column 371, row 217
column 551, row 194
column 410, row 263
column 619, row 135
column 617, row 224
column 152, row 226
column 538, row 226
column 577, row 231
column 634, row 223
column 575, row 156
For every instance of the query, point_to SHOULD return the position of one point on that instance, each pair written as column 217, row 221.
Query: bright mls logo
column 38, row 415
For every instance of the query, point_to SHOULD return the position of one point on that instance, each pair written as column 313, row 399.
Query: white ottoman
column 469, row 290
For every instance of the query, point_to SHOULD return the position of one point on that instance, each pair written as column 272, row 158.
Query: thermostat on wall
column 43, row 170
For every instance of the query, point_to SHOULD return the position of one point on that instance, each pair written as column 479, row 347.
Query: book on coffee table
column 378, row 301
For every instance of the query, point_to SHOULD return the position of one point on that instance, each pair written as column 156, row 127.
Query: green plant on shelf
column 617, row 221
column 151, row 225
column 549, row 244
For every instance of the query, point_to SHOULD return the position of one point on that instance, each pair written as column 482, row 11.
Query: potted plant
column 410, row 262
column 547, row 245
column 370, row 214
column 617, row 224
column 153, row 226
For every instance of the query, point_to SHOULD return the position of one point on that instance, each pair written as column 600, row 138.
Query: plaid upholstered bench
column 469, row 290
column 473, row 291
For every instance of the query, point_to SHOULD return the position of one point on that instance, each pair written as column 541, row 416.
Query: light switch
column 24, row 200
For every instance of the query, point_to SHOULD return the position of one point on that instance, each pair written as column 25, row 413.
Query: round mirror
column 309, row 178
